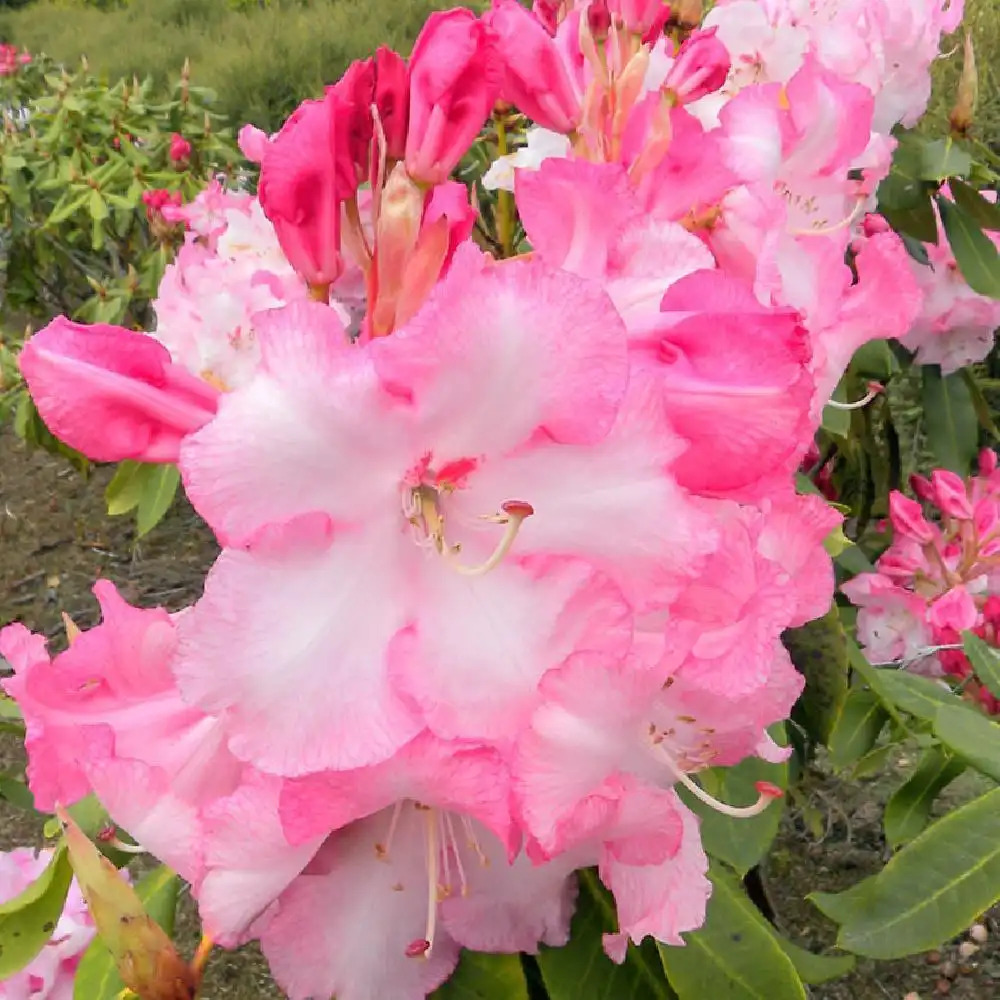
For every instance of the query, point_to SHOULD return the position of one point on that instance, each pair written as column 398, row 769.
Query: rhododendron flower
column 180, row 148
column 105, row 716
column 700, row 68
column 113, row 394
column 492, row 508
column 455, row 79
column 938, row 578
column 956, row 326
column 49, row 975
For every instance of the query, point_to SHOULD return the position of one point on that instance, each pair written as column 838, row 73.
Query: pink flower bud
column 987, row 462
column 700, row 68
column 951, row 495
column 304, row 176
column 599, row 19
column 549, row 14
column 641, row 17
column 392, row 98
column 873, row 224
column 253, row 143
column 113, row 394
column 921, row 485
column 180, row 148
column 455, row 79
column 908, row 519
column 535, row 77
column 355, row 126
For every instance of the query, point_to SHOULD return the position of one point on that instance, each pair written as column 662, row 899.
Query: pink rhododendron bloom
column 396, row 418
column 105, row 716
column 113, row 394
column 937, row 579
column 956, row 326
column 49, row 975
column 455, row 78
column 700, row 68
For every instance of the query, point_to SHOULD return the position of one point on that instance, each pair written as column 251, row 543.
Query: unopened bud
column 908, row 519
column 960, row 118
column 599, row 19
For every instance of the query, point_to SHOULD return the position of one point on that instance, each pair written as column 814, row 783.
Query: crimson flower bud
column 535, row 77
column 304, row 175
column 392, row 98
column 701, row 67
column 180, row 148
column 455, row 79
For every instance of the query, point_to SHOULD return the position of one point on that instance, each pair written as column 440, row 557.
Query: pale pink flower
column 49, row 975
column 380, row 518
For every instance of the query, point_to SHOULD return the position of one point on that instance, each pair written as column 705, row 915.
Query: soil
column 56, row 539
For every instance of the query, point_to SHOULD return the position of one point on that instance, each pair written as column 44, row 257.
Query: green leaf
column 949, row 420
column 581, row 969
column 985, row 662
column 148, row 489
column 908, row 810
column 856, row 727
column 812, row 968
column 28, row 920
column 932, row 890
column 943, row 158
column 67, row 206
column 157, row 496
column 969, row 200
column 124, row 491
column 975, row 253
column 819, row 651
column 97, row 977
column 919, row 696
column 734, row 956
column 741, row 843
column 98, row 207
column 980, row 404
column 971, row 735
column 484, row 977
column 16, row 792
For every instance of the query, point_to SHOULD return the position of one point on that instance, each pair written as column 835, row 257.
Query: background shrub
column 261, row 59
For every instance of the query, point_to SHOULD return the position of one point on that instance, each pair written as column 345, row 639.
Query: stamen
column 848, row 220
column 453, row 846
column 874, row 389
column 473, row 842
column 382, row 850
column 765, row 790
column 430, row 830
column 444, row 889
column 516, row 511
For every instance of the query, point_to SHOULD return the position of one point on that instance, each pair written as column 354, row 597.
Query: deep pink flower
column 455, row 78
column 112, row 393
column 700, row 68
column 644, row 18
column 535, row 78
column 180, row 148
column 306, row 172
column 392, row 98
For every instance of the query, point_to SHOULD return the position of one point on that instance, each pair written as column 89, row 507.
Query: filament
column 873, row 391
column 766, row 791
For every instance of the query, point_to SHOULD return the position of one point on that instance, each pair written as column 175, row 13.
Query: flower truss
column 937, row 579
column 508, row 542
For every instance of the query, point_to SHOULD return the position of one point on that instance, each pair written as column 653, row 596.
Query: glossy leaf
column 28, row 920
column 932, row 890
column 944, row 158
column 908, row 810
column 919, row 696
column 976, row 255
column 856, row 727
column 484, row 977
column 735, row 955
column 985, row 662
column 147, row 489
column 949, row 420
column 581, row 969
column 969, row 200
column 971, row 735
